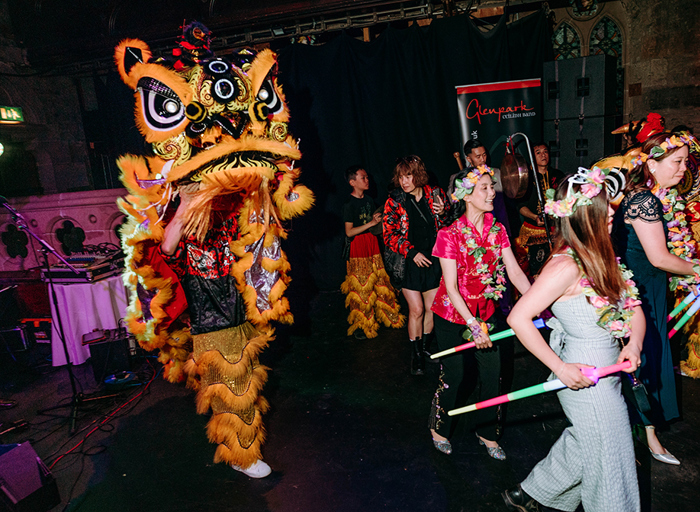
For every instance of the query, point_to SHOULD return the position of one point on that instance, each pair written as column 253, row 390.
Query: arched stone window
column 606, row 37
column 566, row 42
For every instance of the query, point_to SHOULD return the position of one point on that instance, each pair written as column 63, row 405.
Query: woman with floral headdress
column 652, row 239
column 596, row 308
column 475, row 255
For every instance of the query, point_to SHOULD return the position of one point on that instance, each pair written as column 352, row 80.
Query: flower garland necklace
column 614, row 318
column 680, row 239
column 495, row 282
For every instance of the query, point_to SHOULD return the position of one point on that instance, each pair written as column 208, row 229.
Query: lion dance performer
column 207, row 275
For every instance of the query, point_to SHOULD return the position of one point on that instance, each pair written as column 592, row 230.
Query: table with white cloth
column 85, row 307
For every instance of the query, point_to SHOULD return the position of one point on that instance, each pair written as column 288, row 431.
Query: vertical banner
column 499, row 109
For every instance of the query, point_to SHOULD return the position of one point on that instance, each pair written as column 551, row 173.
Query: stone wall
column 664, row 57
column 95, row 212
column 661, row 55
column 53, row 129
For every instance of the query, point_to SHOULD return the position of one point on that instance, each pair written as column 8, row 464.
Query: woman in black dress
column 412, row 216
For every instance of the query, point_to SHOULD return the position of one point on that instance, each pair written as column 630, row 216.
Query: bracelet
column 686, row 282
column 476, row 329
column 696, row 269
column 563, row 365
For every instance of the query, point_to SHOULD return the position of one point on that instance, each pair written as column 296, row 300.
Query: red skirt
column 364, row 245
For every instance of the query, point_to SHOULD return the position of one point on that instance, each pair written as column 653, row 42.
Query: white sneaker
column 258, row 470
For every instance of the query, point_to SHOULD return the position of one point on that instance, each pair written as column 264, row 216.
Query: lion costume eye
column 224, row 90
column 267, row 95
column 162, row 108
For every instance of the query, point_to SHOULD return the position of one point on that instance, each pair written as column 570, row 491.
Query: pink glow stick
column 595, row 374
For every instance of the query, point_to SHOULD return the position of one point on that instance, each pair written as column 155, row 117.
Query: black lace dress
column 656, row 370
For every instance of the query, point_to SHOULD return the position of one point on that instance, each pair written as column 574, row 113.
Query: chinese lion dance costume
column 218, row 129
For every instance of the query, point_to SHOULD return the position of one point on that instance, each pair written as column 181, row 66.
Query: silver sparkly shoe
column 444, row 446
column 496, row 452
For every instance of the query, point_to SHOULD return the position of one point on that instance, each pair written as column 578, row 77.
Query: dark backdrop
column 368, row 103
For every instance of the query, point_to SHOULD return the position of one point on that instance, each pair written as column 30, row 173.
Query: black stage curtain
column 368, row 103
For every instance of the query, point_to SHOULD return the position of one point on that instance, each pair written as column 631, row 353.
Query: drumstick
column 458, row 157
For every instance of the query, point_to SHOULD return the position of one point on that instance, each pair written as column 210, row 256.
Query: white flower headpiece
column 591, row 182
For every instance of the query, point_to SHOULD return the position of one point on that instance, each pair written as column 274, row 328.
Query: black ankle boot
column 517, row 499
column 417, row 357
column 427, row 342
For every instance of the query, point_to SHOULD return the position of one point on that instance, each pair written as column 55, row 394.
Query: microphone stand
column 76, row 398
column 540, row 195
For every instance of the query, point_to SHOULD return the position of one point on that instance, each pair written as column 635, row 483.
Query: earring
column 652, row 170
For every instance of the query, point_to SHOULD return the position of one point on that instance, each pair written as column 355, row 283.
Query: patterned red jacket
column 395, row 220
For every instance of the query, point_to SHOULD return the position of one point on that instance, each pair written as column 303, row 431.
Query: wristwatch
column 471, row 320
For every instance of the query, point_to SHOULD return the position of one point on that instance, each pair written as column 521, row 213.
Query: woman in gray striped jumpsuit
column 593, row 462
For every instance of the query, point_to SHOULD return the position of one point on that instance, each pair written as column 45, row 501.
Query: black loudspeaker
column 579, row 110
column 9, row 308
column 109, row 357
column 586, row 85
column 579, row 144
column 17, row 339
column 26, row 484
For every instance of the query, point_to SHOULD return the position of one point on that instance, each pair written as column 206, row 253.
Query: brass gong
column 514, row 175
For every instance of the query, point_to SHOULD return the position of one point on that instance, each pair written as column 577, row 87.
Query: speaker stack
column 579, row 110
column 109, row 353
column 26, row 484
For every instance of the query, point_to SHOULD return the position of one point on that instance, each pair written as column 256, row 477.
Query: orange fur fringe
column 233, row 398
column 370, row 297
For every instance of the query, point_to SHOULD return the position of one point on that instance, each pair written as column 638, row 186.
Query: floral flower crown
column 465, row 186
column 591, row 182
column 672, row 142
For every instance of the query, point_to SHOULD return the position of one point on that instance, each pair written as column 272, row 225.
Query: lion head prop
column 218, row 126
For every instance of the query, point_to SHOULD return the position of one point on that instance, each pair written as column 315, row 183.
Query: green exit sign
column 11, row 115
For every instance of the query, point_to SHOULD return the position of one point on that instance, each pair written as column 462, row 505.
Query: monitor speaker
column 17, row 339
column 26, row 484
column 109, row 357
column 9, row 308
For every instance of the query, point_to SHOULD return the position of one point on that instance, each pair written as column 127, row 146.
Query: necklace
column 493, row 280
column 614, row 318
column 680, row 239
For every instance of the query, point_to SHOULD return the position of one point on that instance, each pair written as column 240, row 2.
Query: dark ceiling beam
column 252, row 23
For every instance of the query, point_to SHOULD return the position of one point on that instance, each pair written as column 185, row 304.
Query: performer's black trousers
column 467, row 377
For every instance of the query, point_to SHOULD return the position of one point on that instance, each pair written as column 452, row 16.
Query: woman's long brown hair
column 586, row 232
